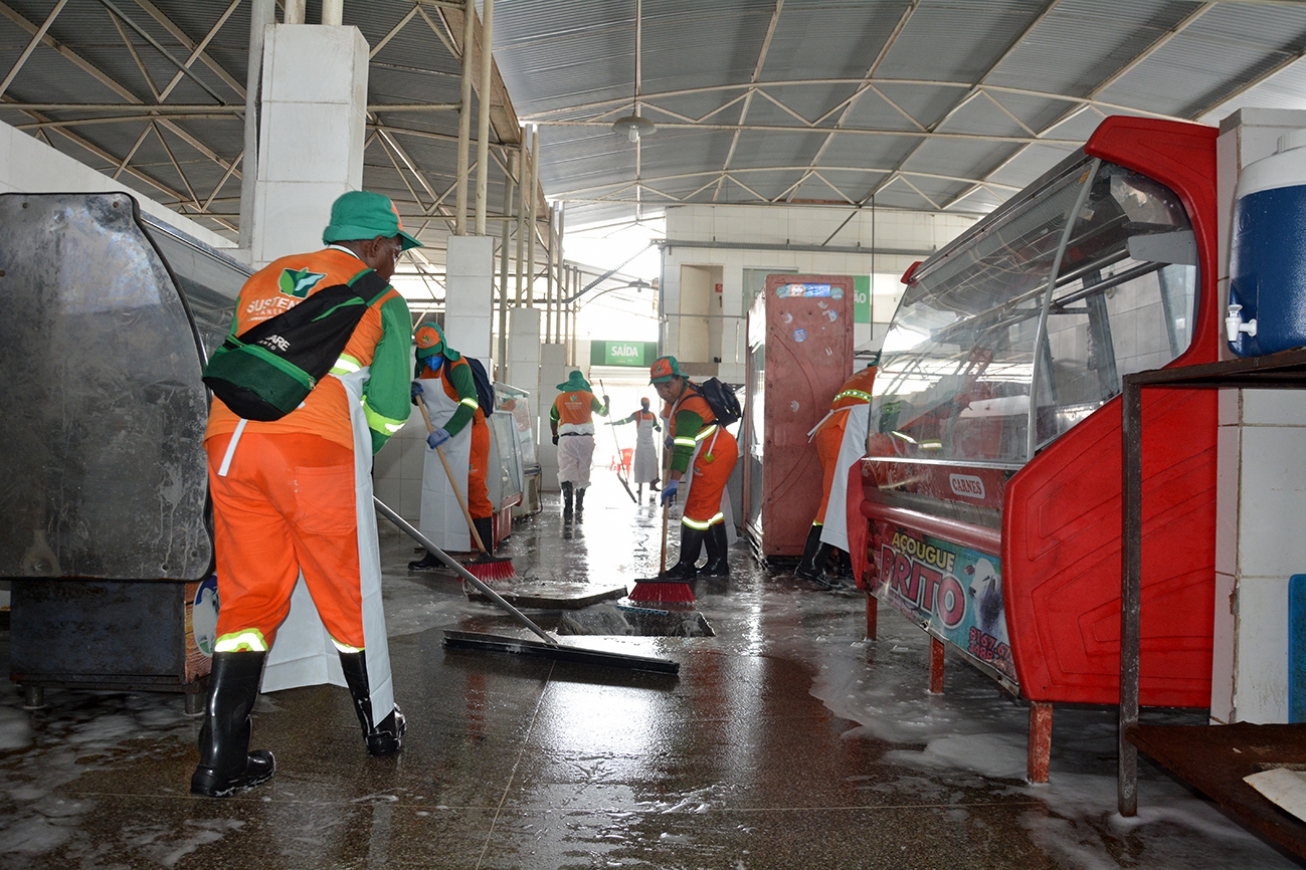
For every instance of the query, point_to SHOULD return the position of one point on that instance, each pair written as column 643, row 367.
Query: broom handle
column 615, row 442
column 467, row 515
column 666, row 505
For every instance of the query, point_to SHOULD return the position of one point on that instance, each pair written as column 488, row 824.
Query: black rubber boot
column 485, row 528
column 814, row 555
column 691, row 542
column 580, row 503
column 226, row 764
column 566, row 500
column 426, row 563
column 385, row 738
column 718, row 551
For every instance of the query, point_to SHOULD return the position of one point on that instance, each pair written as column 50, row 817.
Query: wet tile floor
column 786, row 741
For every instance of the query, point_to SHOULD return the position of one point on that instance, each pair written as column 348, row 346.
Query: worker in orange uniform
column 292, row 498
column 445, row 382
column 572, row 422
column 697, row 443
column 646, row 452
column 840, row 441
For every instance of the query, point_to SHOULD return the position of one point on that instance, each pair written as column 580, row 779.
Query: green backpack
column 267, row 371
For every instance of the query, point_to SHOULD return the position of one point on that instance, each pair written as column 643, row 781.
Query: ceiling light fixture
column 633, row 125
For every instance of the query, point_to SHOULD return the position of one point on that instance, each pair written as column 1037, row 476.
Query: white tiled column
column 469, row 289
column 311, row 138
column 1261, row 487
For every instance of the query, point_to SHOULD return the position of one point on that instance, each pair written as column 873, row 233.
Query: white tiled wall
column 914, row 231
column 1261, row 491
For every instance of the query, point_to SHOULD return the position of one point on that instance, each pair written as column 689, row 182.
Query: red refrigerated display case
column 993, row 478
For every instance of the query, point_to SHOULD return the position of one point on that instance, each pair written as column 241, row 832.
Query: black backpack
column 484, row 388
column 267, row 371
column 721, row 399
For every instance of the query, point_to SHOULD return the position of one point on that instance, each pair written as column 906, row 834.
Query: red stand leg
column 872, row 616
column 936, row 666
column 1040, row 740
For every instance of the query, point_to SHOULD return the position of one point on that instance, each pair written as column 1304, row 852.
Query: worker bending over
column 448, row 388
column 572, row 422
column 646, row 451
column 840, row 441
column 700, row 444
column 293, row 497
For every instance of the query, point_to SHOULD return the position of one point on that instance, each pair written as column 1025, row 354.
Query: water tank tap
column 1234, row 325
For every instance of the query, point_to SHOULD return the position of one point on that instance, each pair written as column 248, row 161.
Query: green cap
column 360, row 215
column 575, row 381
column 664, row 368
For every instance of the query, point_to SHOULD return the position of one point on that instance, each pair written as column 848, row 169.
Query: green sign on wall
column 861, row 299
column 623, row 353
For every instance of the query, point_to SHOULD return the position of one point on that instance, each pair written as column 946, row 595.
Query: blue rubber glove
column 417, row 389
column 436, row 438
column 669, row 491
column 669, row 442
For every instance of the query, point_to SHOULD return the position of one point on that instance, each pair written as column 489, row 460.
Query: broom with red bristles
column 486, row 566
column 660, row 589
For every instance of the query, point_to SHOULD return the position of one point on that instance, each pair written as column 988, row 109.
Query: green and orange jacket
column 382, row 342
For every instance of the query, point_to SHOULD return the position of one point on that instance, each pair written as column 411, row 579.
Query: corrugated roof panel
column 1284, row 90
column 880, row 153
column 812, row 103
column 871, row 110
column 1031, row 162
column 926, row 103
column 1188, row 75
column 957, row 40
column 776, row 149
column 1081, row 43
column 981, row 115
column 829, row 39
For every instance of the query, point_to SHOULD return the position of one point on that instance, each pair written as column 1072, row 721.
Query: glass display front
column 986, row 326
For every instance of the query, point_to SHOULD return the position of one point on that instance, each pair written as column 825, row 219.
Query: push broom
column 660, row 589
column 485, row 566
column 547, row 647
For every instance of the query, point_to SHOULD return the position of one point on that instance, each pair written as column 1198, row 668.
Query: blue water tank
column 1267, row 265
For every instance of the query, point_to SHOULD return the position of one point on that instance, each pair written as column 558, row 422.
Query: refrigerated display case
column 993, row 478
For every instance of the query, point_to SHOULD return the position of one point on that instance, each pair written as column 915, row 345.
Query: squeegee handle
column 462, row 572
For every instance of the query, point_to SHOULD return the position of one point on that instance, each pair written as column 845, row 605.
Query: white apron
column 441, row 518
column 303, row 653
column 646, row 452
column 834, row 529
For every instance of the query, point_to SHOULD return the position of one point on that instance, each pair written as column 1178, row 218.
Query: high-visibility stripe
column 471, row 403
column 346, row 365
column 853, row 394
column 346, row 648
column 702, row 526
column 706, row 432
column 380, row 422
column 250, row 640
column 684, row 442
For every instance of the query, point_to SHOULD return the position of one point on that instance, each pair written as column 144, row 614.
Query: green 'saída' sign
column 623, row 353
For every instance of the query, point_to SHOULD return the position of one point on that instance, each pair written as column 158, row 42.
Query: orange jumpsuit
column 711, row 451
column 284, row 499
column 829, row 432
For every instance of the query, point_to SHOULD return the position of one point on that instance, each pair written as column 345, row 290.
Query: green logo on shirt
column 297, row 282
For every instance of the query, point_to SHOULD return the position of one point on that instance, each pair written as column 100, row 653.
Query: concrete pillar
column 314, row 80
column 523, row 365
column 469, row 291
